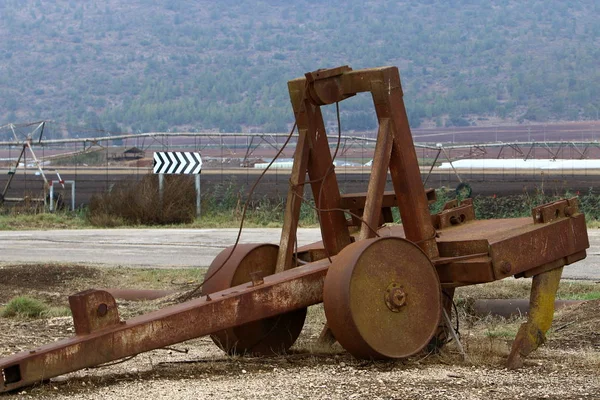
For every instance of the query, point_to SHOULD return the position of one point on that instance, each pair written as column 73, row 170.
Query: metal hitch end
column 93, row 310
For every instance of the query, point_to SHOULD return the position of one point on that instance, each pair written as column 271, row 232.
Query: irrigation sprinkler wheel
column 268, row 336
column 382, row 298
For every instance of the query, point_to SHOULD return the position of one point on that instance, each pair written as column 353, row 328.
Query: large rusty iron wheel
column 267, row 336
column 382, row 298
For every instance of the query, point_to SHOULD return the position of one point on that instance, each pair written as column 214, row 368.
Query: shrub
column 24, row 306
column 139, row 203
column 487, row 207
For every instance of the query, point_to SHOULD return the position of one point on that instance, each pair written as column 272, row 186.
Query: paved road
column 132, row 247
column 163, row 248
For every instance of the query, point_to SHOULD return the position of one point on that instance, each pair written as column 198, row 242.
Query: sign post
column 198, row 202
column 177, row 162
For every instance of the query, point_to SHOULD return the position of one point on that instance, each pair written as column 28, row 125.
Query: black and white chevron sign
column 177, row 162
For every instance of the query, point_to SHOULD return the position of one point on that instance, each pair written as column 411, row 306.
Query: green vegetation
column 223, row 207
column 142, row 65
column 520, row 289
column 27, row 307
column 587, row 296
column 572, row 290
column 19, row 219
column 520, row 206
column 507, row 333
column 489, row 207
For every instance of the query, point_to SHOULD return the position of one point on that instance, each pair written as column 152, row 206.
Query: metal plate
column 382, row 298
column 264, row 337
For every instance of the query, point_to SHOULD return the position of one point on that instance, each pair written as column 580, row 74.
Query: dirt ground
column 567, row 367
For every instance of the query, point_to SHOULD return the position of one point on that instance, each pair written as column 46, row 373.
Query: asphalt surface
column 155, row 248
column 183, row 248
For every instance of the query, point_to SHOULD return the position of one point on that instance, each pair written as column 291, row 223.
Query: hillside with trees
column 157, row 65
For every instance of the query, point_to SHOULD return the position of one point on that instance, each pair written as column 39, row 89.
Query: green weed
column 501, row 334
column 58, row 220
column 27, row 307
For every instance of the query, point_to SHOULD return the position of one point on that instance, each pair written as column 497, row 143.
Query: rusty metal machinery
column 384, row 290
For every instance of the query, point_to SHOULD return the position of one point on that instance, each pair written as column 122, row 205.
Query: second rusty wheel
column 382, row 298
column 263, row 337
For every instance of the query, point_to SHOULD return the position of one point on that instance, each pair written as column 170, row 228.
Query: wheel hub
column 395, row 297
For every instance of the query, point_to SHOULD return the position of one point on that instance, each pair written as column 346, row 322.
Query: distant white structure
column 276, row 165
column 287, row 164
column 517, row 163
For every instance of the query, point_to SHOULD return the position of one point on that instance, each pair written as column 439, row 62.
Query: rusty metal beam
column 376, row 188
column 305, row 97
column 324, row 185
column 293, row 204
column 404, row 168
column 102, row 337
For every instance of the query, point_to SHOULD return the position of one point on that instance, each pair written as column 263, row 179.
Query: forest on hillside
column 158, row 65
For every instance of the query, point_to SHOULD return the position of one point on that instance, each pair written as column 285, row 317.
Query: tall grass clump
column 222, row 205
column 140, row 204
column 28, row 307
column 24, row 306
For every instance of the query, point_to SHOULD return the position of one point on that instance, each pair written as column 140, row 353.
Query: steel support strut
column 334, row 85
column 532, row 333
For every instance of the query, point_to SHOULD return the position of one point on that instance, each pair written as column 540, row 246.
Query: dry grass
column 520, row 288
column 60, row 220
column 140, row 204
column 578, row 326
column 593, row 224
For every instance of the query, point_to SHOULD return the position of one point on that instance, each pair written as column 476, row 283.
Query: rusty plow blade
column 101, row 336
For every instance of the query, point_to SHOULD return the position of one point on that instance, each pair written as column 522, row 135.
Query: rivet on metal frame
column 505, row 267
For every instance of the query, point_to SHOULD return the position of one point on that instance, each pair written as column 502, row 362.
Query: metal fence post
column 161, row 187
column 72, row 195
column 51, row 195
column 198, row 199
